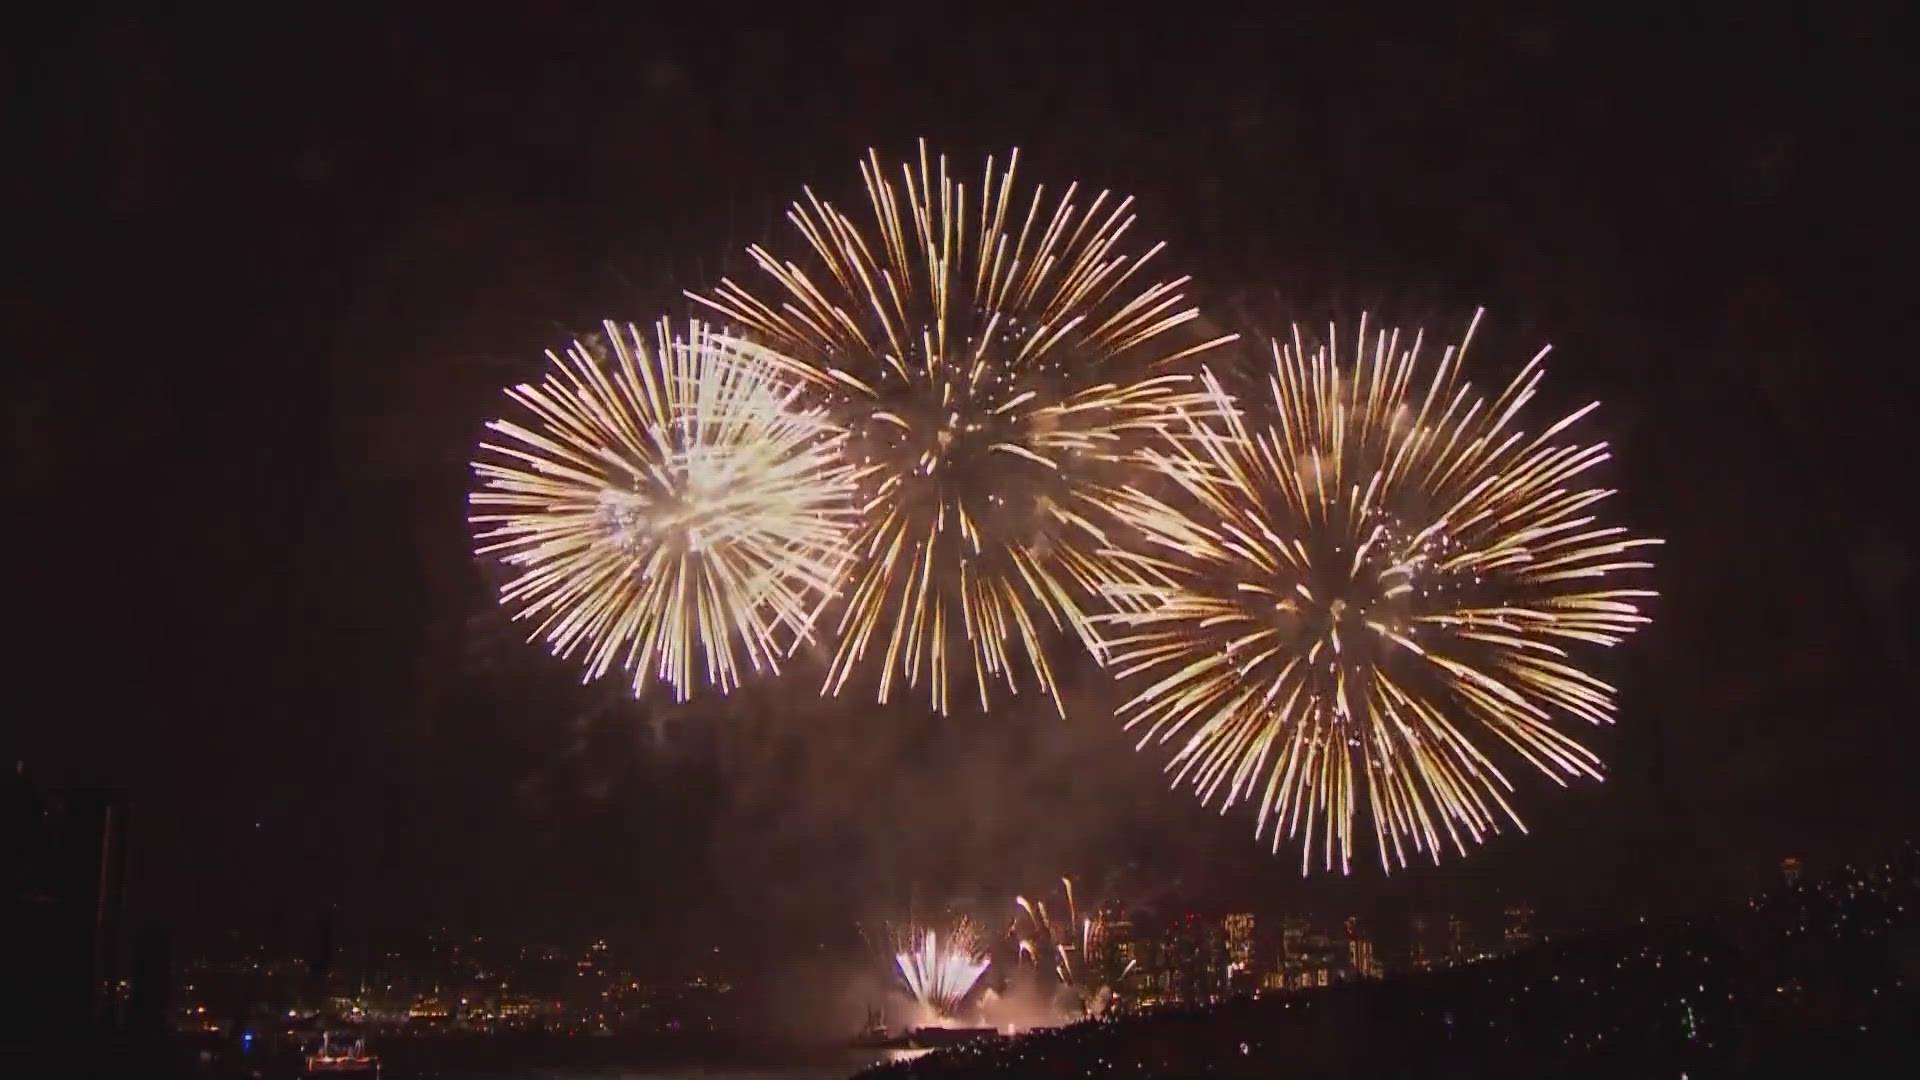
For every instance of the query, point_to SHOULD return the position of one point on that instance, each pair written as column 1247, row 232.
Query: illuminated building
column 1308, row 958
column 1790, row 871
column 1293, row 933
column 1117, row 935
column 1293, row 939
column 1239, row 932
column 1150, row 978
column 1518, row 933
column 1417, row 948
column 1364, row 965
column 1186, row 957
column 1324, row 961
column 1456, row 939
column 596, row 962
column 1360, row 961
column 1239, row 944
column 1214, row 983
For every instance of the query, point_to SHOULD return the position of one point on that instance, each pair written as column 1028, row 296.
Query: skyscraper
column 1790, row 871
column 1293, row 950
column 1518, row 932
column 66, row 932
column 1239, row 941
column 150, row 1000
column 1360, row 951
column 1239, row 930
column 321, row 945
column 1119, row 925
column 1185, row 954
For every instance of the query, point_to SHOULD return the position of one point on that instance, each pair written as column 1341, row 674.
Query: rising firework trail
column 940, row 970
column 671, row 508
column 1378, row 577
column 993, row 360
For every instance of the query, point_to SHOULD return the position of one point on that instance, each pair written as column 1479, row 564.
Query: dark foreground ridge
column 1798, row 980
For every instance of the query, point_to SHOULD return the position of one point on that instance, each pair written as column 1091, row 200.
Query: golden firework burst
column 674, row 503
column 1368, row 577
column 991, row 364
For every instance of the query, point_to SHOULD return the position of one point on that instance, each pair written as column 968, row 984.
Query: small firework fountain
column 940, row 970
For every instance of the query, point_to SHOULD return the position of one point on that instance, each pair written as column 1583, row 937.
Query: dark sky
column 268, row 276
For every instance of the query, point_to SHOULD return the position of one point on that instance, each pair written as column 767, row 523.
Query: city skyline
column 462, row 983
column 430, row 980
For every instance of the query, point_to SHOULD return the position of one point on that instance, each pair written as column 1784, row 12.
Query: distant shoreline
column 458, row 1055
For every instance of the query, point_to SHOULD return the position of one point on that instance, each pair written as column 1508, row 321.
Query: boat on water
column 341, row 1060
column 930, row 1038
column 877, row 1036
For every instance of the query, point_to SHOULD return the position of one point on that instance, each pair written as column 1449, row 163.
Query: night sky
column 268, row 276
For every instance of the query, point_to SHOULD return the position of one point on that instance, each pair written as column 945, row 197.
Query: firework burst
column 940, row 970
column 670, row 506
column 1376, row 578
column 990, row 361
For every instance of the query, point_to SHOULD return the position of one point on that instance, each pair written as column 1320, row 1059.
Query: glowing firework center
column 954, row 436
column 1354, row 595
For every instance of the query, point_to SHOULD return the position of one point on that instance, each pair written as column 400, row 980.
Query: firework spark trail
column 676, row 503
column 940, row 973
column 1375, row 573
column 1042, row 938
column 1073, row 949
column 992, row 367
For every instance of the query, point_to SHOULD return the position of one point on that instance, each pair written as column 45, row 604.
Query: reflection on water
column 696, row 1074
column 853, row 1063
column 476, row 1060
column 809, row 1073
